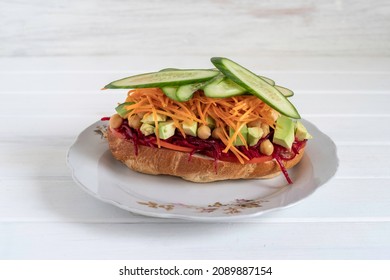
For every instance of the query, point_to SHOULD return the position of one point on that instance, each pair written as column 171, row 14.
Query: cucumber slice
column 121, row 110
column 170, row 92
column 164, row 78
column 186, row 92
column 223, row 87
column 256, row 86
column 285, row 91
column 169, row 69
column 268, row 80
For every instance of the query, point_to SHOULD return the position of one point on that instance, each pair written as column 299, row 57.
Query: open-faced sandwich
column 206, row 124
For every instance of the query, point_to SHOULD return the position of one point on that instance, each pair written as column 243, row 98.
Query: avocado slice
column 166, row 129
column 284, row 132
column 254, row 135
column 149, row 118
column 243, row 131
column 147, row 129
column 190, row 127
column 301, row 132
column 210, row 122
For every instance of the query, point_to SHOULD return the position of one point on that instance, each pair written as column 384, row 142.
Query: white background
column 56, row 55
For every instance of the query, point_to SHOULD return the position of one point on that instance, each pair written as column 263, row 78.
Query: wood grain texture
column 185, row 28
column 45, row 199
column 313, row 240
column 46, row 102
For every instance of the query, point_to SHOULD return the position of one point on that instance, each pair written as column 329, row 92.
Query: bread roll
column 199, row 169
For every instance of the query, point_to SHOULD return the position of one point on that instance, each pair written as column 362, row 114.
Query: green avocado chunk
column 254, row 135
column 149, row 118
column 166, row 129
column 190, row 128
column 243, row 131
column 147, row 129
column 301, row 132
column 284, row 132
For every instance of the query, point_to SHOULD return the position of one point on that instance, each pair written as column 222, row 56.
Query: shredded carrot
column 231, row 112
column 260, row 159
column 175, row 147
column 240, row 156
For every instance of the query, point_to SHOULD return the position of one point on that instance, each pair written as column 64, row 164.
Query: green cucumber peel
column 185, row 92
column 256, row 86
column 169, row 69
column 223, row 87
column 285, row 91
column 268, row 80
column 170, row 92
column 164, row 78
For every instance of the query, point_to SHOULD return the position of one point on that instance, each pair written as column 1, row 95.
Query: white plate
column 97, row 172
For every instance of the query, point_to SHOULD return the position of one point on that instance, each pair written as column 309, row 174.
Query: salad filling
column 151, row 108
column 232, row 115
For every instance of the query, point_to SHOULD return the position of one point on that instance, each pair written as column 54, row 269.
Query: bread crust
column 199, row 169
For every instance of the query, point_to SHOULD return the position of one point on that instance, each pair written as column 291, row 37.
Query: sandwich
column 206, row 125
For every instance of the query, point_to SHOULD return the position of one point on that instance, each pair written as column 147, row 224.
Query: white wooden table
column 46, row 102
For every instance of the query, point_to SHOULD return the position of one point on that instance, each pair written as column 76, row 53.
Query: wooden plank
column 47, row 128
column 355, row 240
column 61, row 200
column 45, row 215
column 347, row 129
column 142, row 63
column 96, row 102
column 50, row 82
column 74, row 29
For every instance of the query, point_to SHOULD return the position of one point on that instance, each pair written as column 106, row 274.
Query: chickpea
column 134, row 121
column 256, row 123
column 266, row 147
column 204, row 132
column 265, row 128
column 216, row 132
column 116, row 121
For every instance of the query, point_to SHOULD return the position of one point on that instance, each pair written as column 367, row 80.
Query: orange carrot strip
column 175, row 147
column 259, row 159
